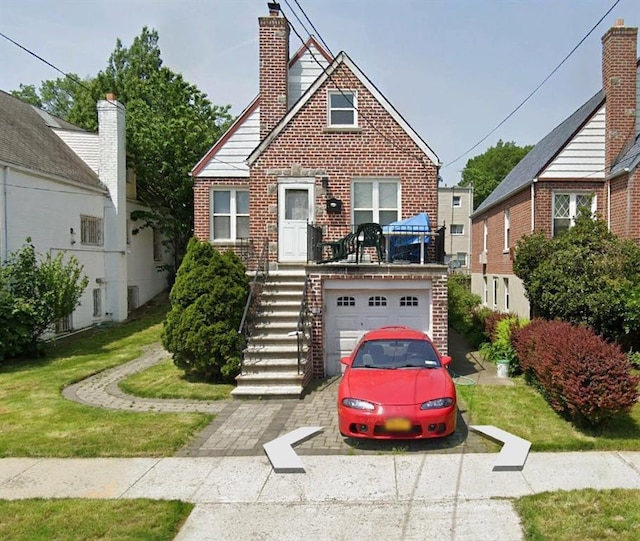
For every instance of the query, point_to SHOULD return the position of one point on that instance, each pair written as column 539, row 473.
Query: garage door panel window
column 408, row 301
column 377, row 300
column 346, row 301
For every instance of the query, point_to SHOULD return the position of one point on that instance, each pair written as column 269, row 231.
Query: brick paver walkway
column 241, row 427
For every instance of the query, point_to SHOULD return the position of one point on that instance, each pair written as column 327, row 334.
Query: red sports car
column 396, row 386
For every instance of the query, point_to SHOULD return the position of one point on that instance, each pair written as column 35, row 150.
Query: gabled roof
column 540, row 155
column 252, row 107
column 28, row 141
column 343, row 58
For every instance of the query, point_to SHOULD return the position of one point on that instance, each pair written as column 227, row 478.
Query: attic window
column 343, row 110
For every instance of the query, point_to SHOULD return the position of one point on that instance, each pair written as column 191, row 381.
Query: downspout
column 609, row 204
column 4, row 246
column 533, row 204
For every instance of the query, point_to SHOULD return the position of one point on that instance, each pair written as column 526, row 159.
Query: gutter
column 480, row 211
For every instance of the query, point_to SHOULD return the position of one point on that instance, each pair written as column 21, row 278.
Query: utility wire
column 535, row 89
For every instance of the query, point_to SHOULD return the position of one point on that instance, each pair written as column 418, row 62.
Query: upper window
column 343, row 108
column 229, row 214
column 457, row 201
column 91, row 230
column 485, row 235
column 566, row 207
column 507, row 228
column 457, row 229
column 376, row 201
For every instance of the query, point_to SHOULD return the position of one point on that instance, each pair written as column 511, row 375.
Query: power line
column 535, row 89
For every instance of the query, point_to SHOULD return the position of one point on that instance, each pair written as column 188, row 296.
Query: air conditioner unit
column 483, row 258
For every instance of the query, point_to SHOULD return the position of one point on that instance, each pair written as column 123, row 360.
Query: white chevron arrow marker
column 514, row 452
column 280, row 451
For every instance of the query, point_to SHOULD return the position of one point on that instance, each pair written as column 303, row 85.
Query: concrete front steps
column 271, row 357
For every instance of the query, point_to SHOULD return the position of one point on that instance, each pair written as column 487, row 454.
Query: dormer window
column 343, row 110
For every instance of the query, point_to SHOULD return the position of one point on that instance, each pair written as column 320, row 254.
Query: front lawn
column 588, row 515
column 521, row 410
column 92, row 520
column 36, row 421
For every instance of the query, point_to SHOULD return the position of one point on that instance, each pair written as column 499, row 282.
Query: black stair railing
column 302, row 327
column 253, row 300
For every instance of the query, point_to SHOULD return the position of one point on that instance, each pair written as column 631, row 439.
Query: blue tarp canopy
column 400, row 245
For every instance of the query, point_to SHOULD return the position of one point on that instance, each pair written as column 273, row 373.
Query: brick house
column 590, row 159
column 318, row 152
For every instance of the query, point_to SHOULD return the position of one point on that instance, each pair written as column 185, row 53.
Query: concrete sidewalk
column 391, row 497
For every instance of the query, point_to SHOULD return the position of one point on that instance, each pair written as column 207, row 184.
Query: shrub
column 207, row 303
column 500, row 345
column 463, row 306
column 580, row 374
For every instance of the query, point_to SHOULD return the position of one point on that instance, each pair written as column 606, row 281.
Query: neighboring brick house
column 68, row 190
column 454, row 211
column 591, row 159
column 320, row 132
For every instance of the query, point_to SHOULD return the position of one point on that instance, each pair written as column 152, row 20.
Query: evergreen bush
column 207, row 303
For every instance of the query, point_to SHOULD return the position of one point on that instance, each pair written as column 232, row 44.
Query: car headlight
column 358, row 404
column 436, row 403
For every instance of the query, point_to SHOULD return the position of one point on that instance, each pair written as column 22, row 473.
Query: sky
column 454, row 69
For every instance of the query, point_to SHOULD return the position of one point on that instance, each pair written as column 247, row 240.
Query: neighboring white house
column 67, row 189
column 455, row 205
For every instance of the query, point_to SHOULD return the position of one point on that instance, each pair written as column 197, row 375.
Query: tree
column 170, row 126
column 34, row 295
column 585, row 276
column 207, row 303
column 487, row 170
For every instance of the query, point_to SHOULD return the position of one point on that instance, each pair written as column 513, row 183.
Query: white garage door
column 352, row 308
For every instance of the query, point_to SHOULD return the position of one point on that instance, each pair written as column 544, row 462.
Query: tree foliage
column 207, row 303
column 170, row 126
column 585, row 276
column 487, row 170
column 34, row 294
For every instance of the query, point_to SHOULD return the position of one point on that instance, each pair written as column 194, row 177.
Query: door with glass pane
column 295, row 209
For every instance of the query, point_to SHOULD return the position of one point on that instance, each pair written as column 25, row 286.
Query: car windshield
column 392, row 354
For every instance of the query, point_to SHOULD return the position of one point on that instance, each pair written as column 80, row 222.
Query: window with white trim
column 566, row 207
column 376, row 201
column 506, row 294
column 485, row 235
column 495, row 292
column 229, row 214
column 343, row 108
column 457, row 229
column 457, row 201
column 507, row 228
column 485, row 291
column 97, row 302
column 462, row 257
column 91, row 230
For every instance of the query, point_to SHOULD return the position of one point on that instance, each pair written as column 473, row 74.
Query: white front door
column 295, row 210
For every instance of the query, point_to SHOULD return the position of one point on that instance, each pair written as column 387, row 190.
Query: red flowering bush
column 580, row 374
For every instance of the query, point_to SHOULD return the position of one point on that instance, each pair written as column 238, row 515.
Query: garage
column 352, row 307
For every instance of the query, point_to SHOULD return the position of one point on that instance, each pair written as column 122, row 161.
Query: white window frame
column 232, row 214
column 91, row 230
column 495, row 292
column 485, row 292
column 456, row 201
column 573, row 208
column 507, row 228
column 375, row 199
column 506, row 294
column 349, row 95
column 460, row 232
column 463, row 258
column 485, row 235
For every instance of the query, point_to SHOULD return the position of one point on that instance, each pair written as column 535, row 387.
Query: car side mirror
column 346, row 361
column 446, row 360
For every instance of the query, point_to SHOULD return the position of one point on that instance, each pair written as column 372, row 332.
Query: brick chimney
column 619, row 81
column 274, row 68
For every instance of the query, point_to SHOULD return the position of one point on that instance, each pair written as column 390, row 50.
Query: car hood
column 401, row 387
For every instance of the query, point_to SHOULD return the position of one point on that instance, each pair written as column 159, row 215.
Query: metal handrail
column 253, row 299
column 303, row 322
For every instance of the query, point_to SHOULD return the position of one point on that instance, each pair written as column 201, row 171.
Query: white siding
column 230, row 160
column 84, row 145
column 304, row 72
column 584, row 155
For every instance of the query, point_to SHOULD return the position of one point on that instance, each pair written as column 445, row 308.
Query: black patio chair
column 340, row 248
column 369, row 235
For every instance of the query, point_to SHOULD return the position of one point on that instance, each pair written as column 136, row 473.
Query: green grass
column 36, row 421
column 587, row 515
column 521, row 410
column 89, row 520
column 166, row 380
